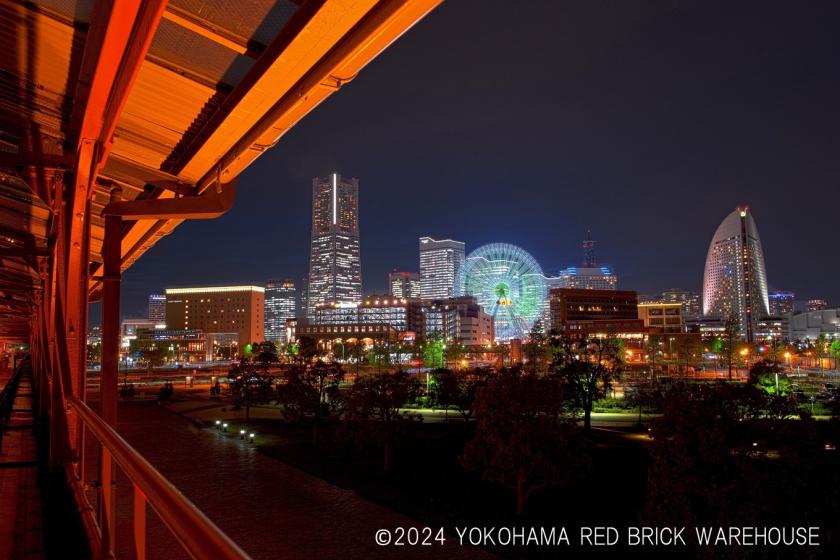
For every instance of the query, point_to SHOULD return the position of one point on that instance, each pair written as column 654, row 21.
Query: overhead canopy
column 160, row 99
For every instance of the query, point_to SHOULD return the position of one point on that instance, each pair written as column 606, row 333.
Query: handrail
column 199, row 536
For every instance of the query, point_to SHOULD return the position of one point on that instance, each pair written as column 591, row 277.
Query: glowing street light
column 251, row 436
column 241, row 434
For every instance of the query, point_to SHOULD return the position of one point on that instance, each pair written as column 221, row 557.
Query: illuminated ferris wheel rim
column 508, row 283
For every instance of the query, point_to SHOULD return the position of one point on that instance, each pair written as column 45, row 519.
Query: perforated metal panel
column 195, row 54
column 258, row 20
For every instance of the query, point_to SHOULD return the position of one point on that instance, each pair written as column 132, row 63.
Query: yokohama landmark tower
column 335, row 272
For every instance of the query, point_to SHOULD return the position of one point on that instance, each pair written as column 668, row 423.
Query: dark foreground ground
column 288, row 498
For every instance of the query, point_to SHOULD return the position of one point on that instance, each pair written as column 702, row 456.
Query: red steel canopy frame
column 116, row 124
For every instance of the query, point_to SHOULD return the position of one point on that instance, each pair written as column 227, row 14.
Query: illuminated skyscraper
column 279, row 305
column 440, row 263
column 157, row 309
column 817, row 305
column 692, row 308
column 590, row 276
column 735, row 280
column 335, row 272
column 404, row 284
column 781, row 303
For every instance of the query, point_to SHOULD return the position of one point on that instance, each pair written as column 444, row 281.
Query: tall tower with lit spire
column 335, row 270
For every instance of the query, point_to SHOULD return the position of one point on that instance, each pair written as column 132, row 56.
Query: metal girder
column 211, row 204
column 213, row 32
column 383, row 23
column 118, row 39
column 378, row 29
column 273, row 51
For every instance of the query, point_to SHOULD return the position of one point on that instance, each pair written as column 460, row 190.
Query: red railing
column 199, row 536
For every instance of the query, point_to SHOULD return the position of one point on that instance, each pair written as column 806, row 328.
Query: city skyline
column 593, row 149
column 384, row 286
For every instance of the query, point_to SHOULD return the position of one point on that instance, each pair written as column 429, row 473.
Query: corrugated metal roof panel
column 258, row 20
column 75, row 10
column 160, row 107
column 186, row 49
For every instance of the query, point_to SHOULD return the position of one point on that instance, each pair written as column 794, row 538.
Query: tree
column 379, row 355
column 769, row 376
column 373, row 407
column 654, row 349
column 729, row 342
column 820, row 349
column 453, row 353
column 313, row 391
column 721, row 456
column 153, row 355
column 690, row 349
column 646, row 396
column 433, row 352
column 94, row 352
column 588, row 367
column 834, row 351
column 307, row 348
column 459, row 389
column 521, row 439
column 250, row 388
column 536, row 350
column 355, row 348
column 266, row 354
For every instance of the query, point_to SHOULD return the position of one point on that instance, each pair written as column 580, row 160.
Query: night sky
column 529, row 122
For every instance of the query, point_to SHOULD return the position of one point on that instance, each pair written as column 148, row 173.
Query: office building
column 280, row 304
column 404, row 284
column 402, row 314
column 171, row 346
column 582, row 312
column 157, row 309
column 781, row 303
column 589, row 276
column 692, row 302
column 218, row 309
column 335, row 271
column 662, row 318
column 440, row 265
column 734, row 279
column 817, row 305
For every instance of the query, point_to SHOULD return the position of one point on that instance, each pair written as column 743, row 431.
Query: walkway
column 21, row 519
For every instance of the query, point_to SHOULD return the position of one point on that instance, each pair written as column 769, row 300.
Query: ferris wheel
column 509, row 284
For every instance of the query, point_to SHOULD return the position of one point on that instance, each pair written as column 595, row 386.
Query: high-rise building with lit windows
column 404, row 284
column 157, row 309
column 218, row 309
column 440, row 262
column 735, row 280
column 781, row 303
column 817, row 305
column 280, row 303
column 691, row 301
column 335, row 271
